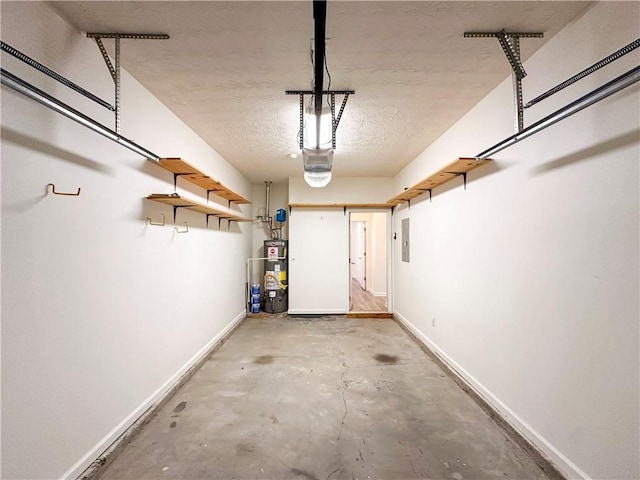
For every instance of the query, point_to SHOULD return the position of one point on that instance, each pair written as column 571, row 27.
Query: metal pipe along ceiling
column 56, row 76
column 21, row 86
column 600, row 93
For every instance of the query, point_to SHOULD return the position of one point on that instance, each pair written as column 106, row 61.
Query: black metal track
column 324, row 92
column 587, row 71
column 320, row 24
column 56, row 76
column 21, row 86
column 626, row 79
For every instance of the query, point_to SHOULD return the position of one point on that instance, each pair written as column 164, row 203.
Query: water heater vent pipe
column 267, row 219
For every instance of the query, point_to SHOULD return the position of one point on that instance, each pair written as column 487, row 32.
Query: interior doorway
column 368, row 262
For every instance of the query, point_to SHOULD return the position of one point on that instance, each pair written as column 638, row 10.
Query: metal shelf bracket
column 510, row 43
column 114, row 70
column 464, row 178
column 175, row 180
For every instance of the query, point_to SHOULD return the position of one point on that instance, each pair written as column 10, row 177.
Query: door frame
column 389, row 249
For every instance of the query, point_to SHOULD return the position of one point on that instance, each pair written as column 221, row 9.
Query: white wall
column 379, row 239
column 527, row 282
column 342, row 190
column 100, row 312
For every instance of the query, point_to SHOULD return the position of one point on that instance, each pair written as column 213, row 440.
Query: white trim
column 565, row 465
column 320, row 311
column 377, row 294
column 82, row 464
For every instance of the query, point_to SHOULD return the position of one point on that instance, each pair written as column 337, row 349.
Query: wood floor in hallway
column 321, row 398
column 364, row 301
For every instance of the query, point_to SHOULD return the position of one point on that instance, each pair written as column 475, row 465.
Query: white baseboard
column 377, row 294
column 81, row 465
column 319, row 311
column 566, row 466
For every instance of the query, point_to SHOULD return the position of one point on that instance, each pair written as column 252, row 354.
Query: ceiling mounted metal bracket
column 114, row 70
column 335, row 119
column 510, row 43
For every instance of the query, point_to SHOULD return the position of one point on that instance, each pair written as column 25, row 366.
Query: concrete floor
column 322, row 398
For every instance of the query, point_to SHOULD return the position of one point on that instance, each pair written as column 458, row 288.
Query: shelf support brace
column 464, row 179
column 175, row 209
column 510, row 43
column 426, row 190
column 115, row 70
column 175, row 181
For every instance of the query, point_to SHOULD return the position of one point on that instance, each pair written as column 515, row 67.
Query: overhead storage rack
column 460, row 167
column 177, row 201
column 181, row 168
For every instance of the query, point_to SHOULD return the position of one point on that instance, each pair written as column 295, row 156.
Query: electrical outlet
column 433, row 322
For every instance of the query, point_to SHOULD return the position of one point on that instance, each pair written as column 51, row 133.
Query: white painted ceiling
column 227, row 65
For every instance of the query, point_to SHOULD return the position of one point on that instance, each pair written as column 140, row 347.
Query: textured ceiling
column 227, row 65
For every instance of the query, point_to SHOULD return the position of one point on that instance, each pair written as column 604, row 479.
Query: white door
column 318, row 261
column 357, row 252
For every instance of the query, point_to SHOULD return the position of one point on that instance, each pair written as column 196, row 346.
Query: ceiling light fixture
column 318, row 122
column 315, row 137
column 317, row 164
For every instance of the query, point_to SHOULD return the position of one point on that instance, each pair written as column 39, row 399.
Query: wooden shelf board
column 176, row 200
column 369, row 315
column 442, row 176
column 190, row 173
column 339, row 205
column 177, row 165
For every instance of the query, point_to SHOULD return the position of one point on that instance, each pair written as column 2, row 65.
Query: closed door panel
column 358, row 252
column 319, row 261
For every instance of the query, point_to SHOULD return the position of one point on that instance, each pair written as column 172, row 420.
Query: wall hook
column 182, row 231
column 53, row 189
column 164, row 218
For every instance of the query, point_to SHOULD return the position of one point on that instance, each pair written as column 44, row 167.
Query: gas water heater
column 276, row 297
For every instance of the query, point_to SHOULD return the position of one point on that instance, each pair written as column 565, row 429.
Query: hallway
column 364, row 301
column 321, row 398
